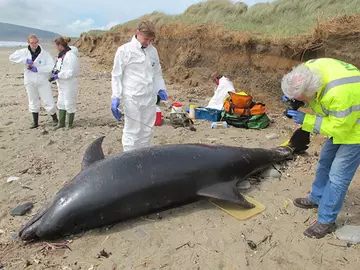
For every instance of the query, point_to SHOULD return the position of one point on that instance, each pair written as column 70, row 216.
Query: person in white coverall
column 65, row 73
column 224, row 85
column 137, row 80
column 38, row 65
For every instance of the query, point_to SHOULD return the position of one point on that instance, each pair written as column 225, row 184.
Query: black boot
column 55, row 119
column 35, row 123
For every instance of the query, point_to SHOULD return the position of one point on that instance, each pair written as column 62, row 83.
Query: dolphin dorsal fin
column 93, row 153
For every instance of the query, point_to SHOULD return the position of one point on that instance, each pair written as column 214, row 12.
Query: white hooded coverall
column 67, row 83
column 74, row 50
column 137, row 78
column 220, row 93
column 36, row 83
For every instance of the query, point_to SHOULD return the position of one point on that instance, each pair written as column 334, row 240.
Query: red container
column 158, row 119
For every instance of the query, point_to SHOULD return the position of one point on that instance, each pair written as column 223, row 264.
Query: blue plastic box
column 209, row 114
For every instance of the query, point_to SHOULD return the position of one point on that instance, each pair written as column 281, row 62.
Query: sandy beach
column 195, row 236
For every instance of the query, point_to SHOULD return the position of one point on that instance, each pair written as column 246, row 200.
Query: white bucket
column 176, row 108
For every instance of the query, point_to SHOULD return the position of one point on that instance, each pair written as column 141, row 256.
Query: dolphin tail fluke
column 93, row 153
column 299, row 141
column 226, row 191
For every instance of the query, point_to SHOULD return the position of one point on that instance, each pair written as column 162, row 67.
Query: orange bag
column 241, row 104
column 258, row 108
column 239, row 100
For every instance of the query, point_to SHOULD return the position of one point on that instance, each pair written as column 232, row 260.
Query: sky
column 72, row 17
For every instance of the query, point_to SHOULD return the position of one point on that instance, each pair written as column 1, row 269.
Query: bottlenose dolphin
column 143, row 181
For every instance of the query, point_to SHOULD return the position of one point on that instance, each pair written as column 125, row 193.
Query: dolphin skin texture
column 143, row 181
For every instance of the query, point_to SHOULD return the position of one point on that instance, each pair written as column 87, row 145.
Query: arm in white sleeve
column 117, row 72
column 47, row 65
column 70, row 66
column 158, row 79
column 19, row 56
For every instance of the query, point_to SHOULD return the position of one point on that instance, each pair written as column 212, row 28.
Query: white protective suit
column 136, row 80
column 36, row 83
column 67, row 83
column 74, row 50
column 220, row 93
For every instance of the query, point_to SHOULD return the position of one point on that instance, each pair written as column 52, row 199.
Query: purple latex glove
column 54, row 77
column 33, row 69
column 29, row 61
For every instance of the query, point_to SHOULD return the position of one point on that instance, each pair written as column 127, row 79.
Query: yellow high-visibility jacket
column 337, row 104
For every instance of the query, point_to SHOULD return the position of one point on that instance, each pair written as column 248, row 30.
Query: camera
column 53, row 73
column 292, row 104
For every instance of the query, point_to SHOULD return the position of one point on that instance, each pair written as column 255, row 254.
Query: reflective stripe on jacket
column 337, row 105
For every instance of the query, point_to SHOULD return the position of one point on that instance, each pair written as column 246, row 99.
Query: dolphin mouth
column 28, row 231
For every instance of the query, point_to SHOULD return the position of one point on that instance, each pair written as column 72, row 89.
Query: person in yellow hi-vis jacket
column 332, row 89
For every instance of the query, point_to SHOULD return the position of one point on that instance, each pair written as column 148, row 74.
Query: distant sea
column 9, row 44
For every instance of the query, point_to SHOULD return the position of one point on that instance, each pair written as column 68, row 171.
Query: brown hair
column 62, row 41
column 147, row 28
column 32, row 36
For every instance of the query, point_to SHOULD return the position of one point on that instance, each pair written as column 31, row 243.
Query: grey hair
column 301, row 81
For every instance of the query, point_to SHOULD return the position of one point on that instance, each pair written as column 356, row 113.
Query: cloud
column 108, row 26
column 69, row 17
column 81, row 26
column 32, row 13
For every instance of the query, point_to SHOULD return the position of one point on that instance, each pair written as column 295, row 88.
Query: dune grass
column 278, row 18
column 95, row 33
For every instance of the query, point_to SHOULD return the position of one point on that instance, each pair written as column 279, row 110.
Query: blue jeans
column 336, row 168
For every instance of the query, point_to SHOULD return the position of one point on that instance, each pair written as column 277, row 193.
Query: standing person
column 66, row 69
column 332, row 89
column 137, row 80
column 223, row 86
column 38, row 65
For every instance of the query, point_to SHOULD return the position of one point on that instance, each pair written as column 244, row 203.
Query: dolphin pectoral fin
column 93, row 153
column 226, row 191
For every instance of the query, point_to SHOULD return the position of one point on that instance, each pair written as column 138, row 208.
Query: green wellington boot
column 35, row 123
column 71, row 119
column 62, row 116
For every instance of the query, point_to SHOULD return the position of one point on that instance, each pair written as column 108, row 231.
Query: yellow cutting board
column 237, row 211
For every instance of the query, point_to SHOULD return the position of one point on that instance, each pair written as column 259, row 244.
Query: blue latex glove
column 163, row 95
column 284, row 98
column 115, row 103
column 29, row 61
column 297, row 116
column 33, row 69
column 54, row 77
